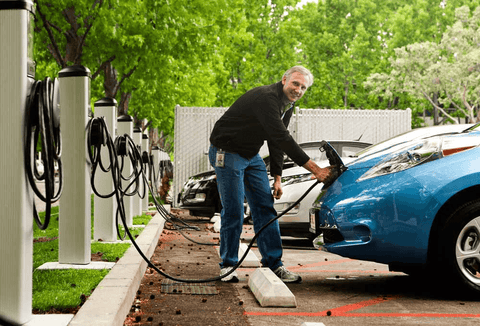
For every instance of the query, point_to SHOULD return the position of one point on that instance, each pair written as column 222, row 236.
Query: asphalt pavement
column 335, row 291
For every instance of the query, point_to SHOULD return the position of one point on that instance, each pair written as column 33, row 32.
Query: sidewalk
column 113, row 297
column 161, row 301
column 132, row 294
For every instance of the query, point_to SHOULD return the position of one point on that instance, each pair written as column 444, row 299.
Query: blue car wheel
column 460, row 240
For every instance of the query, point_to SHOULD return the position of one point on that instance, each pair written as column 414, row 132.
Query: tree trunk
column 110, row 82
column 123, row 105
column 74, row 47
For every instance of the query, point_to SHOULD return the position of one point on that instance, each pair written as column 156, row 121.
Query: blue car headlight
column 420, row 152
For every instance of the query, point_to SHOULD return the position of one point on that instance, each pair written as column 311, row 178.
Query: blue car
column 412, row 202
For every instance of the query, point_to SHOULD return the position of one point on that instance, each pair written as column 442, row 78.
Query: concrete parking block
column 312, row 324
column 251, row 260
column 269, row 290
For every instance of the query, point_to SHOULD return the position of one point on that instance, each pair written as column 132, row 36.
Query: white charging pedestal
column 75, row 204
column 16, row 198
column 105, row 208
column 137, row 201
column 155, row 175
column 125, row 126
column 145, row 144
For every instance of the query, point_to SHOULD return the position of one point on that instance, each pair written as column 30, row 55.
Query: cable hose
column 240, row 260
column 42, row 126
column 98, row 136
column 121, row 213
column 236, row 265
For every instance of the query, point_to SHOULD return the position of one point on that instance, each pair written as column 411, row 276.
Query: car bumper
column 378, row 220
column 202, row 209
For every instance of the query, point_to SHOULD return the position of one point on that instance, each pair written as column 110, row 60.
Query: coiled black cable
column 42, row 126
column 121, row 210
column 98, row 136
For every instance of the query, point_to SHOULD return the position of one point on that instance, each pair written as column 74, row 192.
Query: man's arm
column 321, row 174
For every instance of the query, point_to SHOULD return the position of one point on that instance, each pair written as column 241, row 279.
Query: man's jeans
column 239, row 178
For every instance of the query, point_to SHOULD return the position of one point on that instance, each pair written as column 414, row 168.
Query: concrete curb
column 111, row 301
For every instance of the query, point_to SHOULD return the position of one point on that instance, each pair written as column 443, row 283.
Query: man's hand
column 324, row 175
column 277, row 187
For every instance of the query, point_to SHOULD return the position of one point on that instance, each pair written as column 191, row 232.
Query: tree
column 342, row 47
column 150, row 55
column 445, row 74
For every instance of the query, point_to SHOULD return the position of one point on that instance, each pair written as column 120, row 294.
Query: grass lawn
column 64, row 290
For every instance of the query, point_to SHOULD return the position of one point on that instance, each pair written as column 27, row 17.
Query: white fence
column 193, row 126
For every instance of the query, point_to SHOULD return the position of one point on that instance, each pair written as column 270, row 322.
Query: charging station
column 16, row 199
column 75, row 204
column 105, row 208
column 155, row 173
column 125, row 126
column 145, row 144
column 137, row 201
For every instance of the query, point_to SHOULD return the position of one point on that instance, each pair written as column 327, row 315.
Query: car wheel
column 460, row 241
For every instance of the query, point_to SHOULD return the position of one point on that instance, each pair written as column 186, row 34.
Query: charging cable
column 119, row 152
column 240, row 260
column 42, row 126
column 114, row 170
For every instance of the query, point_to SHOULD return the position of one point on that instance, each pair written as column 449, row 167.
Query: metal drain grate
column 170, row 286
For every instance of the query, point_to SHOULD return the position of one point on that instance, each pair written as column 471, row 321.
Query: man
column 262, row 113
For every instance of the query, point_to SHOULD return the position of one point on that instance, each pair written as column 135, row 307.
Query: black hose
column 115, row 171
column 41, row 127
column 240, row 260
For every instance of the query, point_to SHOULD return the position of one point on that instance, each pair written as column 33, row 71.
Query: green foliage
column 444, row 73
column 207, row 53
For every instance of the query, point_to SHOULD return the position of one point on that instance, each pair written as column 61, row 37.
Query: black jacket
column 255, row 117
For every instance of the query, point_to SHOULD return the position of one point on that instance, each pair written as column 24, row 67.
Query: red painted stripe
column 345, row 311
column 431, row 315
column 329, row 271
column 324, row 314
column 322, row 263
column 362, row 304
column 334, row 312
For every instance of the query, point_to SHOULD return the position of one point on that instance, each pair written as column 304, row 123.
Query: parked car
column 411, row 202
column 296, row 181
column 200, row 194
